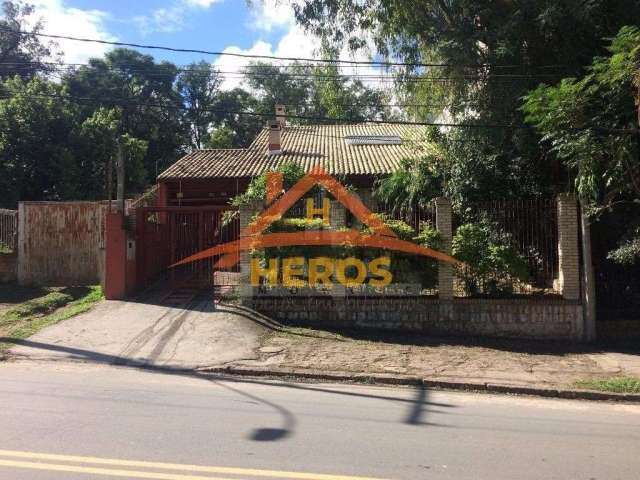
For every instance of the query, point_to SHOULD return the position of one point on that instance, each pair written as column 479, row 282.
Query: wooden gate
column 166, row 235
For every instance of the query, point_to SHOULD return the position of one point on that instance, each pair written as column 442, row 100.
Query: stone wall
column 8, row 267
column 533, row 319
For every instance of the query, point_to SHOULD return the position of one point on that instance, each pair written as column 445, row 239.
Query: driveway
column 192, row 335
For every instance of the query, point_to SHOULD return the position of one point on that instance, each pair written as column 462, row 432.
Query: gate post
column 444, row 226
column 246, row 213
column 115, row 276
column 568, row 249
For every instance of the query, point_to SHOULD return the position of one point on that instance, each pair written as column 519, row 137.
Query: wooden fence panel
column 61, row 243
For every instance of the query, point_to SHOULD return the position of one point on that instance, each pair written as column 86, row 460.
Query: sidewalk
column 545, row 365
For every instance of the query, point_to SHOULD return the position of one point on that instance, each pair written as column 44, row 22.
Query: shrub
column 491, row 263
column 257, row 189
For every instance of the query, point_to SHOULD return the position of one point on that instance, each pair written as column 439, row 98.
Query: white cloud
column 272, row 14
column 165, row 20
column 62, row 20
column 170, row 19
column 295, row 43
column 202, row 3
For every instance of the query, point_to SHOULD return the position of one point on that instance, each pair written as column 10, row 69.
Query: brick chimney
column 280, row 114
column 275, row 137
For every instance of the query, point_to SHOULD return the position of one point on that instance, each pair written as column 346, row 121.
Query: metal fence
column 530, row 227
column 416, row 217
column 8, row 230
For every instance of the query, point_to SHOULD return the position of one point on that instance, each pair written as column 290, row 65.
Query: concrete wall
column 61, row 243
column 534, row 319
column 8, row 267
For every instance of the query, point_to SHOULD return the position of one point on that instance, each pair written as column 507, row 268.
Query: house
column 355, row 153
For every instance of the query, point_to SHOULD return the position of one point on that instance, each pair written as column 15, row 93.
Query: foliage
column 410, row 187
column 36, row 138
column 50, row 151
column 628, row 251
column 590, row 124
column 491, row 263
column 405, row 268
column 615, row 384
column 492, row 54
column 144, row 91
column 429, row 237
column 297, row 225
column 314, row 92
column 257, row 189
column 221, row 137
column 20, row 54
column 198, row 86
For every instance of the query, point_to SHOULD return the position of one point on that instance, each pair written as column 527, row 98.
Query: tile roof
column 308, row 146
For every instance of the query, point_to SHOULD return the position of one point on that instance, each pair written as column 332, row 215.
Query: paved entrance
column 191, row 335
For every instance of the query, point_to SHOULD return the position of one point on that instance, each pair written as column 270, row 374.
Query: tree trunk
column 588, row 282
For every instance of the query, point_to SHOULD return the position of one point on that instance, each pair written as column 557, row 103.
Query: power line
column 161, row 72
column 328, row 120
column 126, row 102
column 264, row 57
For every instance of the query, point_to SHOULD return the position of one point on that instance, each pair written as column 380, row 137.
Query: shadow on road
column 417, row 405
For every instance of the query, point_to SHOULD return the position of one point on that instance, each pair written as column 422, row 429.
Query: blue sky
column 266, row 28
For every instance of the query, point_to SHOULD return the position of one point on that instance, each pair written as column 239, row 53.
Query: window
column 373, row 140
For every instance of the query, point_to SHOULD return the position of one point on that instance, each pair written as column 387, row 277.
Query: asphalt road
column 68, row 421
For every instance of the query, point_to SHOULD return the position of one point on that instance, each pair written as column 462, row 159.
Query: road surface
column 70, row 421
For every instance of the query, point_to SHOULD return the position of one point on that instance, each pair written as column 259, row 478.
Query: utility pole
column 120, row 177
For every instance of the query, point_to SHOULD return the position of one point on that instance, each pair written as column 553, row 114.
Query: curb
column 389, row 379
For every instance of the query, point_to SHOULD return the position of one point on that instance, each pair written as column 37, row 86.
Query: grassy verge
column 29, row 317
column 615, row 384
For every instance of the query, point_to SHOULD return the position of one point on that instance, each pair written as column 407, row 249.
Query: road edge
column 389, row 379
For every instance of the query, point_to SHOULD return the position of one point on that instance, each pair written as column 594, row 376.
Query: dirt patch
column 500, row 362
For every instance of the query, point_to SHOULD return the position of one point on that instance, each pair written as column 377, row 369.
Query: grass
column 11, row 294
column 615, row 384
column 31, row 316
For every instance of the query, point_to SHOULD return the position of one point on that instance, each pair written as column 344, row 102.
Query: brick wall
column 532, row 319
column 8, row 268
column 568, row 247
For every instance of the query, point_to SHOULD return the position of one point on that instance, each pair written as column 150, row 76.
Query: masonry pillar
column 568, row 248
column 444, row 226
column 246, row 212
column 115, row 271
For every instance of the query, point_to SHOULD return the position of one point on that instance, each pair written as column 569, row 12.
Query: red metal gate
column 166, row 235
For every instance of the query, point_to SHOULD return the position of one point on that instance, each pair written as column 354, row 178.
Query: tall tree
column 237, row 130
column 144, row 90
column 315, row 92
column 490, row 55
column 22, row 54
column 592, row 125
column 198, row 85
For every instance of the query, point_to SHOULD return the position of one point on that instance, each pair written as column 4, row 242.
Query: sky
column 266, row 27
